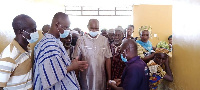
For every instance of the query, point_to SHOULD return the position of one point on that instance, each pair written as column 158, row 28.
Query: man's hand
column 112, row 84
column 77, row 65
column 118, row 81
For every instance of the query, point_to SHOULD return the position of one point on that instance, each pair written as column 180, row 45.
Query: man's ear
column 20, row 31
column 88, row 27
column 126, row 51
column 57, row 23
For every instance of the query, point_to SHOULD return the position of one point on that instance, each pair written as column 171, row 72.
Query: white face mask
column 65, row 34
column 34, row 36
column 93, row 34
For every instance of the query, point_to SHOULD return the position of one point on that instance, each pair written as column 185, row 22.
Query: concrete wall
column 186, row 45
column 159, row 17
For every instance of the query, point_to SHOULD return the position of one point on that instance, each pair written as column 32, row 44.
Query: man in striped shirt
column 53, row 68
column 15, row 62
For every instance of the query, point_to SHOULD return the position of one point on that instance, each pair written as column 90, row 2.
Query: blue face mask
column 93, row 34
column 34, row 37
column 123, row 59
column 65, row 34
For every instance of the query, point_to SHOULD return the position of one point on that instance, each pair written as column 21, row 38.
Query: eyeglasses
column 31, row 31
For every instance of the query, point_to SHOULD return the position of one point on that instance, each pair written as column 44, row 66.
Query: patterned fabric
column 163, row 44
column 141, row 51
column 50, row 66
column 142, row 28
column 156, row 75
column 70, row 51
column 93, row 50
column 162, row 50
column 15, row 68
column 117, row 64
column 154, row 81
column 147, row 45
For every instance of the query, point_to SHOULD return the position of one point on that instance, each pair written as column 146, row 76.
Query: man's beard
column 67, row 45
column 73, row 43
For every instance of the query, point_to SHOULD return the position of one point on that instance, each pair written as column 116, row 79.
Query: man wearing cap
column 117, row 64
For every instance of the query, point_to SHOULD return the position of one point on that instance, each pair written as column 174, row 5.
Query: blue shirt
column 135, row 75
column 147, row 45
column 50, row 66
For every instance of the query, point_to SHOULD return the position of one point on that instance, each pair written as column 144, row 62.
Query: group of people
column 65, row 59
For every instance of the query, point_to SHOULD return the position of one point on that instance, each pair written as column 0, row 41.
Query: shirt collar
column 50, row 35
column 16, row 44
column 132, row 60
column 93, row 38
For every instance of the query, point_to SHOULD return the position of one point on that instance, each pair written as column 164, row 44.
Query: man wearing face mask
column 135, row 75
column 67, row 44
column 15, row 62
column 53, row 68
column 95, row 49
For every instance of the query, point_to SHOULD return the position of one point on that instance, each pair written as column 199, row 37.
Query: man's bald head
column 131, row 48
column 59, row 17
column 91, row 21
column 93, row 25
column 22, row 22
column 59, row 23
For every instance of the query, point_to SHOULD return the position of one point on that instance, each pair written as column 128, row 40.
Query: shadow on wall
column 6, row 36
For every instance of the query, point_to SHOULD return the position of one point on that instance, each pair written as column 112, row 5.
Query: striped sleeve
column 6, row 66
column 52, row 69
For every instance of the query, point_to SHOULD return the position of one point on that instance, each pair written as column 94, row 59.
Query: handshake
column 77, row 65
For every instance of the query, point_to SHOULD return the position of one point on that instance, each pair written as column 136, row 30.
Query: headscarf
column 142, row 28
column 147, row 45
column 162, row 50
column 163, row 44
